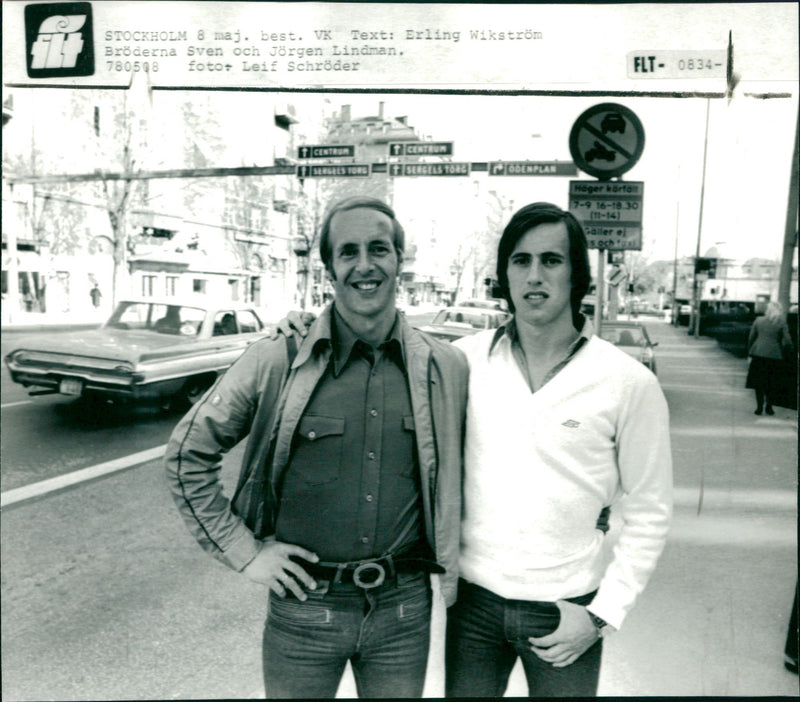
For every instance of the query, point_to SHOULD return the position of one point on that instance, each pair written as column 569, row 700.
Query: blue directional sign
column 532, row 168
column 429, row 169
column 422, row 148
column 330, row 151
column 352, row 170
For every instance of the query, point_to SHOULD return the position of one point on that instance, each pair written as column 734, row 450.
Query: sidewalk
column 35, row 322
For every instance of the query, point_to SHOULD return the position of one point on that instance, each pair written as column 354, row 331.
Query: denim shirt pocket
column 318, row 452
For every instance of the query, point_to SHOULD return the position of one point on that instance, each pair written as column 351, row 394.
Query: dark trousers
column 383, row 632
column 792, row 637
column 485, row 636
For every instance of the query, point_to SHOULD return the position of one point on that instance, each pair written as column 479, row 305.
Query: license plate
column 70, row 386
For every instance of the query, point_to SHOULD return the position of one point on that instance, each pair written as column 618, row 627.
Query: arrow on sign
column 498, row 168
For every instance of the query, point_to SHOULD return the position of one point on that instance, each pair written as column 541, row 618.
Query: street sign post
column 330, row 151
column 610, row 212
column 349, row 170
column 429, row 169
column 422, row 148
column 532, row 168
column 606, row 140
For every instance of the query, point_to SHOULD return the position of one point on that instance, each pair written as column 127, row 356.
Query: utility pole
column 790, row 233
column 694, row 322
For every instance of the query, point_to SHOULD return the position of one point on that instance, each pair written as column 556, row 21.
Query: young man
column 350, row 490
column 560, row 425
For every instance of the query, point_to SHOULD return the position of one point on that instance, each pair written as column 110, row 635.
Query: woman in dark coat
column 768, row 345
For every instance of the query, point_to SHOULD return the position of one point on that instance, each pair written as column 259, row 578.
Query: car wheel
column 193, row 389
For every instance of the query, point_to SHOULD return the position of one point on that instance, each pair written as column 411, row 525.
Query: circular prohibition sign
column 606, row 140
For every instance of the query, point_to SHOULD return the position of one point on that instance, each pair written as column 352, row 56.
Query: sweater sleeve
column 645, row 471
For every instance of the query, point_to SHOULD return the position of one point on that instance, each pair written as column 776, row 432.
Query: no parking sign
column 606, row 140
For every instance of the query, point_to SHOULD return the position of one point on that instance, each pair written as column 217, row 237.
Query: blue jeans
column 487, row 633
column 383, row 632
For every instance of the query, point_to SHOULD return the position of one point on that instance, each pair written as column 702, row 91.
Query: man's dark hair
column 532, row 216
column 354, row 203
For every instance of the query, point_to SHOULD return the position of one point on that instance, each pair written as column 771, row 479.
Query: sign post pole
column 606, row 141
column 600, row 291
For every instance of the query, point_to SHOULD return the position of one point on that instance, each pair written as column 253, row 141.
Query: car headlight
column 17, row 357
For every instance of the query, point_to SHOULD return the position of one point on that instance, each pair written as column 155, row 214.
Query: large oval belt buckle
column 371, row 581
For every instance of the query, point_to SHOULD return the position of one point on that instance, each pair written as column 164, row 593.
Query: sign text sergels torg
column 352, row 170
column 610, row 212
column 533, row 168
column 429, row 169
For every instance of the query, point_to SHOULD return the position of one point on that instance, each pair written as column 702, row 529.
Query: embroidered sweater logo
column 570, row 424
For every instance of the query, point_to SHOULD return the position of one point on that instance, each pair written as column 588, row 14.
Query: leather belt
column 369, row 573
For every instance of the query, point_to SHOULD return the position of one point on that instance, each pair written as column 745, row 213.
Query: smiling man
column 560, row 425
column 349, row 495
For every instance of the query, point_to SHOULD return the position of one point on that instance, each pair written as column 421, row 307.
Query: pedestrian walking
column 96, row 295
column 349, row 494
column 769, row 346
column 560, row 426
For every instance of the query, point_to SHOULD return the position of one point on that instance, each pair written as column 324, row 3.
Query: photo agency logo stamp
column 59, row 40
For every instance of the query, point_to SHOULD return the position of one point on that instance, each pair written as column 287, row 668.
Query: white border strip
column 28, row 492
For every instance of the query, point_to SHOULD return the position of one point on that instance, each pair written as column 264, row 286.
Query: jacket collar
column 320, row 338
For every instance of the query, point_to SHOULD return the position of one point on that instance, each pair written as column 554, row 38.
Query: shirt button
column 369, row 498
column 371, row 455
column 312, row 435
column 365, row 539
column 374, row 412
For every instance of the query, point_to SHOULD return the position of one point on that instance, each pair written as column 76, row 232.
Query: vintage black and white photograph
column 554, row 243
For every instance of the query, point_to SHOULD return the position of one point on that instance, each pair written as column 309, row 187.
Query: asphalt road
column 106, row 596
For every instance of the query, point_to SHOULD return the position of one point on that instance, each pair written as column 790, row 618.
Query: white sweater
column 540, row 467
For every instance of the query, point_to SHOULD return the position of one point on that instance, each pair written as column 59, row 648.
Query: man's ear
column 329, row 274
column 399, row 262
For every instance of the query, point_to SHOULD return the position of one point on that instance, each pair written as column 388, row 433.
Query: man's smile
column 366, row 285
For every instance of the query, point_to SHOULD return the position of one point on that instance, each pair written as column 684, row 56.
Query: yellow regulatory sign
column 677, row 64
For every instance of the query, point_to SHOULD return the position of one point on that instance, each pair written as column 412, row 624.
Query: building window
column 199, row 286
column 172, row 285
column 148, row 285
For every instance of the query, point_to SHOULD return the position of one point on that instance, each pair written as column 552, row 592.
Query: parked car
column 493, row 304
column 633, row 339
column 147, row 350
column 454, row 322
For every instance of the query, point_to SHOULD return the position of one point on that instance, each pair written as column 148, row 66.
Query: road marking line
column 28, row 492
column 14, row 404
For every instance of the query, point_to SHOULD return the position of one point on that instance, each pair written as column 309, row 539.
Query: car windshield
column 156, row 317
column 471, row 320
column 625, row 336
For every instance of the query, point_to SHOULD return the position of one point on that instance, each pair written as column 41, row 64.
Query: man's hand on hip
column 574, row 635
column 273, row 567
